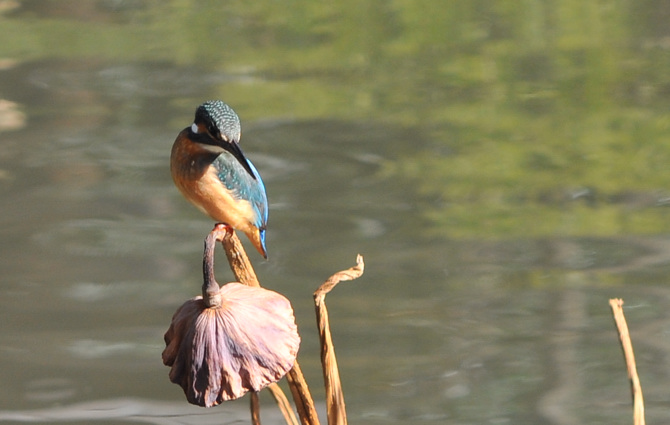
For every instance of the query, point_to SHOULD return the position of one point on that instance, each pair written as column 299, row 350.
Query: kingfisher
column 210, row 170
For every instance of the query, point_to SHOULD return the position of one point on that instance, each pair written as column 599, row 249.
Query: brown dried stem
column 283, row 404
column 244, row 273
column 255, row 407
column 237, row 257
column 337, row 414
column 210, row 287
column 301, row 396
column 638, row 403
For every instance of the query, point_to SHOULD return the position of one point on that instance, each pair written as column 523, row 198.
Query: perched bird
column 210, row 170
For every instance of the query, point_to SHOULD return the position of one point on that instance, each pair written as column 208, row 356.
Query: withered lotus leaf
column 220, row 353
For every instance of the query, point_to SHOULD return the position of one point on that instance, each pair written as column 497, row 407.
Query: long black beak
column 234, row 148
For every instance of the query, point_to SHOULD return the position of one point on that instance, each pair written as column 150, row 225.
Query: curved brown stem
column 337, row 414
column 210, row 287
column 239, row 262
column 244, row 273
column 283, row 404
column 616, row 305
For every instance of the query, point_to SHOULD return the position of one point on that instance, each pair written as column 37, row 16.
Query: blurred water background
column 501, row 165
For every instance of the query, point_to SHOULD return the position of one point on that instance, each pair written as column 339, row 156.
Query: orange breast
column 196, row 178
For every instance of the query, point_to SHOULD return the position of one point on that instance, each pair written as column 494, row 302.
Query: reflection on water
column 489, row 207
column 129, row 410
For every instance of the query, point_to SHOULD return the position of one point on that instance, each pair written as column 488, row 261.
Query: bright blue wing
column 243, row 186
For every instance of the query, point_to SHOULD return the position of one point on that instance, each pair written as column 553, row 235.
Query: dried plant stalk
column 283, row 404
column 302, row 398
column 237, row 258
column 337, row 414
column 255, row 407
column 638, row 403
column 244, row 273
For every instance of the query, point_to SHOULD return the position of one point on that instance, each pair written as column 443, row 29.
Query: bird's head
column 216, row 121
column 217, row 128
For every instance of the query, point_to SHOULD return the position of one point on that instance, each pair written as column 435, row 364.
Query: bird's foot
column 222, row 230
column 222, row 226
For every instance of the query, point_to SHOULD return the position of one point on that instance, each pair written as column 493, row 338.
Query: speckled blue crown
column 222, row 117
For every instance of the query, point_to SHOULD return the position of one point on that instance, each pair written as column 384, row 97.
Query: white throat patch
column 194, row 128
